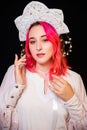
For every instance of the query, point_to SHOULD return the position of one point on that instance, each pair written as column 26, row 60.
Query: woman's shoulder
column 10, row 68
column 70, row 71
column 9, row 71
column 73, row 74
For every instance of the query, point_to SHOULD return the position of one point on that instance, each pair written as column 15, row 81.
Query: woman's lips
column 40, row 55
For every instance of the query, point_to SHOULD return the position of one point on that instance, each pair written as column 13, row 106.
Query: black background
column 75, row 16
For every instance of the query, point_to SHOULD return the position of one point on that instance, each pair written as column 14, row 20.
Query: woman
column 40, row 91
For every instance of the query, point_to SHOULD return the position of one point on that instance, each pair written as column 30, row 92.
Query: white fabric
column 38, row 111
column 37, row 11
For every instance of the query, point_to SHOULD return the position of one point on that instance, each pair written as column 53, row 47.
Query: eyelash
column 45, row 39
column 32, row 42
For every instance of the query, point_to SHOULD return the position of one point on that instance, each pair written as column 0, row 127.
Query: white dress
column 34, row 110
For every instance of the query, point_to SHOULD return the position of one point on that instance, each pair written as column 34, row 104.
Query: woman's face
column 41, row 49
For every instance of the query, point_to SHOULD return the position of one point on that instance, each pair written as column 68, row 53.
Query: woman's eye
column 32, row 42
column 45, row 40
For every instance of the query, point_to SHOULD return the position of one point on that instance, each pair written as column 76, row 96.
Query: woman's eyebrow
column 34, row 38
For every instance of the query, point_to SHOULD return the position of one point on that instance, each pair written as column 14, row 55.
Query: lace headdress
column 37, row 11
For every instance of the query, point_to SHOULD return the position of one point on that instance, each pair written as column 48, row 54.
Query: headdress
column 37, row 11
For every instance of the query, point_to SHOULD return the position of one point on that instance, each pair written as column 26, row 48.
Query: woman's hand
column 61, row 88
column 19, row 70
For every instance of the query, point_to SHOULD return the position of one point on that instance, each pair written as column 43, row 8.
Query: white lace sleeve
column 77, row 108
column 9, row 95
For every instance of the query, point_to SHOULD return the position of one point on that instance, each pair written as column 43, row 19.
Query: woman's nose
column 38, row 46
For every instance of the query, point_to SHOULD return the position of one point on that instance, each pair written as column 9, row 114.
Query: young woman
column 40, row 91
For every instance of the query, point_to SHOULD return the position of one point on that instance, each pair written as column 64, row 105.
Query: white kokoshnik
column 37, row 11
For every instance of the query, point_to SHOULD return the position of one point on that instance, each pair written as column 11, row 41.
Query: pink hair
column 59, row 66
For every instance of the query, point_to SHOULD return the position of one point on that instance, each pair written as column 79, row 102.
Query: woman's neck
column 43, row 70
